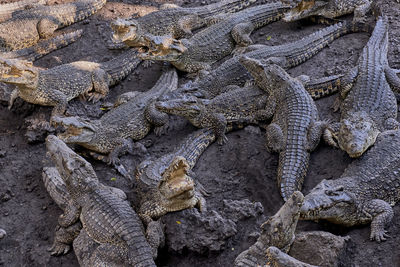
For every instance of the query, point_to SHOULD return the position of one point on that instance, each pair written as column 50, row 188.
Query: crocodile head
column 17, row 71
column 77, row 173
column 187, row 106
column 175, row 190
column 307, row 8
column 330, row 201
column 128, row 32
column 357, row 133
column 77, row 130
column 279, row 229
column 162, row 48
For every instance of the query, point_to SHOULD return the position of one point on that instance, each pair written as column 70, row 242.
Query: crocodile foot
column 58, row 249
column 379, row 235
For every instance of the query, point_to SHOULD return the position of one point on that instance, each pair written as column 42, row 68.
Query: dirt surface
column 240, row 176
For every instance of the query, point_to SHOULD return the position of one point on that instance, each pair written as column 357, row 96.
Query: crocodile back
column 371, row 92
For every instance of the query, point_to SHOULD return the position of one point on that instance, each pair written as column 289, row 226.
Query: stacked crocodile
column 252, row 87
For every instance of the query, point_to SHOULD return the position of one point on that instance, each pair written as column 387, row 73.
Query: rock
column 321, row 248
column 2, row 233
column 198, row 232
column 237, row 210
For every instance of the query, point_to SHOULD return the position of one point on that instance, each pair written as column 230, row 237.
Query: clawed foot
column 59, row 249
column 94, row 97
column 222, row 140
column 161, row 130
column 147, row 63
column 379, row 236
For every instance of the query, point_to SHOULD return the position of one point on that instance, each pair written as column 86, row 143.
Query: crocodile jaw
column 279, row 229
column 305, row 8
column 128, row 32
column 188, row 107
column 17, row 71
column 162, row 48
column 77, row 130
column 357, row 134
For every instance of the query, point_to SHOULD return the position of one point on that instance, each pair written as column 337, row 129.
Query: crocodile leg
column 393, row 79
column 100, row 85
column 46, row 28
column 218, row 124
column 241, row 33
column 381, row 213
column 71, row 214
column 124, row 146
column 61, row 101
column 155, row 236
column 391, row 124
column 157, row 118
column 330, row 134
column 314, row 134
column 64, row 238
column 274, row 136
column 14, row 95
column 185, row 24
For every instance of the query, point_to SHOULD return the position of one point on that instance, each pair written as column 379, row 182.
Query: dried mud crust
column 242, row 169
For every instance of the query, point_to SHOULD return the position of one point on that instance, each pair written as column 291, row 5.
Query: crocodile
column 43, row 48
column 112, row 133
column 231, row 72
column 237, row 107
column 27, row 27
column 105, row 217
column 278, row 258
column 364, row 193
column 193, row 54
column 277, row 231
column 368, row 105
column 173, row 22
column 6, row 10
column 329, row 9
column 295, row 129
column 57, row 85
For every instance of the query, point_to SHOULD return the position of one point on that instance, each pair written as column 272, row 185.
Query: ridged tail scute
column 322, row 87
column 293, row 165
column 120, row 67
column 195, row 145
column 45, row 47
column 227, row 7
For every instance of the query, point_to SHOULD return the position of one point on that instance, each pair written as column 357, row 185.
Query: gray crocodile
column 364, row 193
column 27, row 27
column 215, row 42
column 112, row 133
column 173, row 21
column 104, row 215
column 368, row 105
column 278, row 258
column 295, row 130
column 329, row 9
column 60, row 84
column 289, row 55
column 277, row 231
column 240, row 106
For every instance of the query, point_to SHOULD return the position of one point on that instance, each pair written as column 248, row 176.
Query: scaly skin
column 131, row 120
column 364, row 193
column 368, row 104
column 278, row 258
column 221, row 38
column 329, row 9
column 173, row 22
column 106, row 218
column 295, row 130
column 239, row 106
column 231, row 72
column 166, row 184
column 27, row 27
column 277, row 231
column 43, row 48
column 58, row 85
column 6, row 10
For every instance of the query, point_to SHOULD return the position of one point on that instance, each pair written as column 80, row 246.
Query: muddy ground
column 240, row 170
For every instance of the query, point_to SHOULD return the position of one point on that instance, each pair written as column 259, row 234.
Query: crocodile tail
column 67, row 14
column 45, row 47
column 292, row 168
column 120, row 67
column 6, row 10
column 322, row 87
